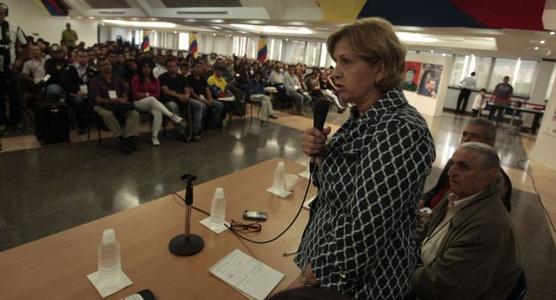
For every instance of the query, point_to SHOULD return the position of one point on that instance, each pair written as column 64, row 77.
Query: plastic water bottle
column 109, row 263
column 218, row 207
column 279, row 177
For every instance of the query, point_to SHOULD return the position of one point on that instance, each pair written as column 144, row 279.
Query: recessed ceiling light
column 536, row 48
column 91, row 18
column 552, row 33
column 175, row 31
column 274, row 29
column 443, row 54
column 217, row 21
column 519, row 58
column 214, row 34
column 543, row 41
column 141, row 24
column 432, row 51
column 287, row 40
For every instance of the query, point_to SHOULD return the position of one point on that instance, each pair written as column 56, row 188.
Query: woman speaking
column 360, row 239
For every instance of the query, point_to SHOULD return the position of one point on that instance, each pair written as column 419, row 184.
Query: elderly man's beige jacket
column 478, row 258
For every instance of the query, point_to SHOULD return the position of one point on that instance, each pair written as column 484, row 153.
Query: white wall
column 540, row 83
column 427, row 105
column 36, row 21
column 546, row 138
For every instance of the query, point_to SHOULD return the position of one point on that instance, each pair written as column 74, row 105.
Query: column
column 540, row 83
column 543, row 152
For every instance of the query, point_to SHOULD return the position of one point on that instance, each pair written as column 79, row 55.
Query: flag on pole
column 193, row 45
column 263, row 50
column 145, row 45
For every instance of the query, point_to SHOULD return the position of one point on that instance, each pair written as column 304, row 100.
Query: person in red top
column 145, row 90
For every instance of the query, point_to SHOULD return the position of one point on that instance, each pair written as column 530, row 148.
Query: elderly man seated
column 470, row 250
column 481, row 131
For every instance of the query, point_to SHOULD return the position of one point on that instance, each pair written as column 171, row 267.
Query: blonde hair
column 375, row 40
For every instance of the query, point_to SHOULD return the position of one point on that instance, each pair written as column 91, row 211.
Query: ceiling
column 315, row 20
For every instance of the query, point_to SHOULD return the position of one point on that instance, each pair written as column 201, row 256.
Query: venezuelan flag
column 263, row 50
column 193, row 44
column 54, row 7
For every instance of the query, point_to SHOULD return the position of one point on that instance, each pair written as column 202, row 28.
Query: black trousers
column 498, row 111
column 10, row 91
column 462, row 99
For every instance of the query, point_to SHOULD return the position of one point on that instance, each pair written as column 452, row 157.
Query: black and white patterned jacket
column 361, row 238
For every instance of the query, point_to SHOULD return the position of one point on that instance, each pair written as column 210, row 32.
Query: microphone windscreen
column 320, row 111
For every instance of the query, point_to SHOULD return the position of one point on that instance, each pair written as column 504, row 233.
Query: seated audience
column 176, row 95
column 55, row 68
column 33, row 69
column 276, row 78
column 200, row 91
column 76, row 85
column 294, row 91
column 118, row 67
column 256, row 89
column 481, row 131
column 328, row 88
column 221, row 90
column 110, row 96
column 145, row 90
column 470, row 250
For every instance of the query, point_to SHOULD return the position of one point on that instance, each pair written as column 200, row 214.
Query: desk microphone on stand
column 187, row 244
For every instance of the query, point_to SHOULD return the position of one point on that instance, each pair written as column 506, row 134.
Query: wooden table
column 56, row 266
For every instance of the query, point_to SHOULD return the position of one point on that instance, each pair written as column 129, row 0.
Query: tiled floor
column 44, row 190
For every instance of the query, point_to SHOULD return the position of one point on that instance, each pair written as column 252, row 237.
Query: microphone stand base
column 186, row 246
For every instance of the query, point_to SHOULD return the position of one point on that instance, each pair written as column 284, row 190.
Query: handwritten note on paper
column 247, row 275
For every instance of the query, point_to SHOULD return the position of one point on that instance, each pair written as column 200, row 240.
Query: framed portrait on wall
column 429, row 80
column 411, row 75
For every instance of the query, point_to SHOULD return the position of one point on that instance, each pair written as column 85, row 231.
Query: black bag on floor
column 52, row 123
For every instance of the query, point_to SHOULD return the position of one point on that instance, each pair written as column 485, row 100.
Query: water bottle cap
column 108, row 236
column 219, row 192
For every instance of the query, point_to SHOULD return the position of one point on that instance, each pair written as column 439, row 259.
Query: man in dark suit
column 470, row 251
column 76, row 85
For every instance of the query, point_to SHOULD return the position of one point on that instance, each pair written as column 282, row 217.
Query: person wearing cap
column 55, row 68
column 69, row 36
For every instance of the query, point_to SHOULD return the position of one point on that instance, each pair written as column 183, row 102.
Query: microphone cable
column 272, row 239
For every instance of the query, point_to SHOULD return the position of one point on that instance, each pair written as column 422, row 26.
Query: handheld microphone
column 320, row 111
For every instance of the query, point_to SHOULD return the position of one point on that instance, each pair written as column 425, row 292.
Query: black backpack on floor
column 52, row 123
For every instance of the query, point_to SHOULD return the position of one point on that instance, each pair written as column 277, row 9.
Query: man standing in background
column 502, row 96
column 467, row 84
column 69, row 37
